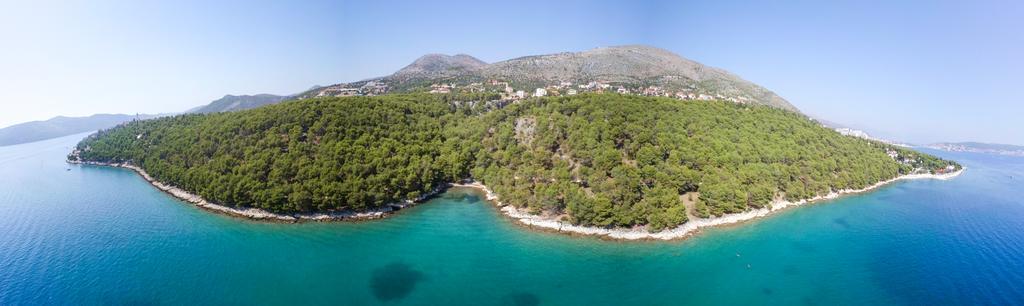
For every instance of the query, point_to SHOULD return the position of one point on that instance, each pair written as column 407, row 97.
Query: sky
column 912, row 71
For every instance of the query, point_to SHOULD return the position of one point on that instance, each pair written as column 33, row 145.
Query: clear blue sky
column 915, row 71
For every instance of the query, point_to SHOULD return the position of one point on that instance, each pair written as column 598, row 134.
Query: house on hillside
column 653, row 91
column 441, row 88
column 374, row 88
column 346, row 92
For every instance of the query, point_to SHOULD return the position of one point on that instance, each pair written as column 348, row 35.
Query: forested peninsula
column 596, row 160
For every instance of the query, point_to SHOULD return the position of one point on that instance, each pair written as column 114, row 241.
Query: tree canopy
column 600, row 159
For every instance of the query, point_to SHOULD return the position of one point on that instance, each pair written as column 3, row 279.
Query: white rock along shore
column 521, row 216
column 261, row 214
column 684, row 230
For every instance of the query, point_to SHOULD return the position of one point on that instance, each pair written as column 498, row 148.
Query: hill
column 637, row 69
column 626, row 69
column 230, row 103
column 61, row 126
column 597, row 159
column 439, row 66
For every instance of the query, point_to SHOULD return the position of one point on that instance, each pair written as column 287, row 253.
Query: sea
column 92, row 235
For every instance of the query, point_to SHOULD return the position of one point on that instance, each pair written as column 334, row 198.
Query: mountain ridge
column 238, row 102
column 630, row 66
column 440, row 64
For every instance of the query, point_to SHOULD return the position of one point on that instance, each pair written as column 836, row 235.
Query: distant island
column 978, row 147
column 640, row 164
column 61, row 126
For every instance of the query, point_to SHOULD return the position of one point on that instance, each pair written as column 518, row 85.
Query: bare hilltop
column 634, row 69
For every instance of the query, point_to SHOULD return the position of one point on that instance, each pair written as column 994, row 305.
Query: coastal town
column 509, row 92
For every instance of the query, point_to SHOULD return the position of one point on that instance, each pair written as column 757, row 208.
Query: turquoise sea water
column 96, row 235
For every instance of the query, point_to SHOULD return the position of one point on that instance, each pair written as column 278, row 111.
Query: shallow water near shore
column 100, row 235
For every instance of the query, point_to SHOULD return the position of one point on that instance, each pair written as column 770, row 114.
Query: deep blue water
column 96, row 235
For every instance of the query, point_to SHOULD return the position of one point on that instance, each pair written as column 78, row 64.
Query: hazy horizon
column 917, row 72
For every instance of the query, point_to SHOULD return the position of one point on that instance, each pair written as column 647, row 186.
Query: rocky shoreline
column 683, row 231
column 547, row 223
column 264, row 215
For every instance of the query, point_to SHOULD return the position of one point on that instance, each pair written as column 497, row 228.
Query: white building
column 571, row 92
column 540, row 92
column 520, row 94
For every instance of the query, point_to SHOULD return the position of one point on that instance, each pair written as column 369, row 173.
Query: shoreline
column 685, row 230
column 537, row 222
column 262, row 214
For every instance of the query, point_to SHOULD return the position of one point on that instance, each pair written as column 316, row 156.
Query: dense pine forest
column 599, row 159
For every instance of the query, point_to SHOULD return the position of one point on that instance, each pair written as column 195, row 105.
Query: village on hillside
column 507, row 91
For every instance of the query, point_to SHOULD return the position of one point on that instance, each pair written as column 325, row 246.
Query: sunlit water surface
column 96, row 235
